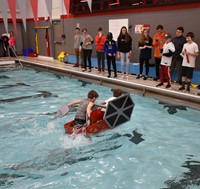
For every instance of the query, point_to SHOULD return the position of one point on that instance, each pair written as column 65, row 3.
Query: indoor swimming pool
column 157, row 149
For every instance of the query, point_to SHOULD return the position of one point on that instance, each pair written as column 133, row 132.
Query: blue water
column 157, row 149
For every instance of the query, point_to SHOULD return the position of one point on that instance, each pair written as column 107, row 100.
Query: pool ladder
column 10, row 47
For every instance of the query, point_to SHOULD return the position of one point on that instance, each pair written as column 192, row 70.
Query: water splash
column 73, row 141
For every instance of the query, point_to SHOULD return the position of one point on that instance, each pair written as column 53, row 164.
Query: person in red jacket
column 12, row 43
column 100, row 40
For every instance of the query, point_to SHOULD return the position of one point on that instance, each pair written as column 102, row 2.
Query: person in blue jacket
column 110, row 49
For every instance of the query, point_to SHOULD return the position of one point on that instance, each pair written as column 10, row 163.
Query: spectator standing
column 124, row 43
column 12, row 43
column 189, row 52
column 100, row 40
column 167, row 53
column 110, row 49
column 177, row 59
column 158, row 42
column 145, row 46
column 86, row 45
column 78, row 54
column 5, row 38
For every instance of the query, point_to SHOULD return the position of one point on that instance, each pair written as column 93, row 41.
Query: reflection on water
column 172, row 109
column 13, row 85
column 40, row 94
column 8, row 179
column 59, row 157
column 187, row 179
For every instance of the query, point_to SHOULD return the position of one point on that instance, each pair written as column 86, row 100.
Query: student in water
column 116, row 93
column 82, row 116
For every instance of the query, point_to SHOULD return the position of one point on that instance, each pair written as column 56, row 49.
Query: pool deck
column 143, row 87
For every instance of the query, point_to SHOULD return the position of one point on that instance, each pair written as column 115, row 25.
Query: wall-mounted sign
column 140, row 27
column 115, row 26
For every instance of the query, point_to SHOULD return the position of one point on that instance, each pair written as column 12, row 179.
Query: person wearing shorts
column 189, row 52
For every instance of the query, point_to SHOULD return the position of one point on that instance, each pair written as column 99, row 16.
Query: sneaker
column 76, row 65
column 168, row 86
column 145, row 77
column 89, row 70
column 181, row 88
column 138, row 77
column 83, row 70
column 155, row 79
column 179, row 82
column 108, row 76
column 160, row 84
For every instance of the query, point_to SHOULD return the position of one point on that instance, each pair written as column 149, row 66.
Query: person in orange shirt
column 100, row 40
column 158, row 42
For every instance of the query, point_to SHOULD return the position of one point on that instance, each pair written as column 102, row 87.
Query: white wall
column 58, row 8
column 42, row 9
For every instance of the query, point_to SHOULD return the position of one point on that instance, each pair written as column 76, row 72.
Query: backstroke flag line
column 67, row 4
column 4, row 3
column 22, row 8
column 12, row 6
column 89, row 4
column 34, row 5
column 49, row 8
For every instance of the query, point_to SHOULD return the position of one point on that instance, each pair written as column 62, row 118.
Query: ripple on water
column 156, row 149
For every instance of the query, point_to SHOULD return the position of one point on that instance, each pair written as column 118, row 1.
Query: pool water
column 157, row 149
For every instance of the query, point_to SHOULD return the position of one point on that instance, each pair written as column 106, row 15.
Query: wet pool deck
column 143, row 87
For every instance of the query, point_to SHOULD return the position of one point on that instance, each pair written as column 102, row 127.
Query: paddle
column 63, row 111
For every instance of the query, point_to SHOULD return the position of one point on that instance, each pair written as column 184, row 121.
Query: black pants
column 87, row 57
column 142, row 61
column 157, row 62
column 111, row 59
column 79, row 123
column 177, row 64
column 100, row 60
column 5, row 48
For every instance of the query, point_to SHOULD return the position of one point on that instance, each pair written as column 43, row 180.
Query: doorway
column 57, row 38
